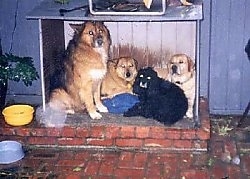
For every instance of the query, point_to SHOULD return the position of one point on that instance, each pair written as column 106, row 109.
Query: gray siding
column 229, row 87
column 25, row 42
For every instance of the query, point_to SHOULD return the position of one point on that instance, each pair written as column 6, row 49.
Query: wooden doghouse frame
column 51, row 30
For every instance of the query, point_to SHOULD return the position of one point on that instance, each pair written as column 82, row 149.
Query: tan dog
column 120, row 77
column 182, row 73
column 84, row 69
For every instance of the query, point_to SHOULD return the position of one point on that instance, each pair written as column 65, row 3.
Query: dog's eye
column 91, row 33
column 181, row 62
column 149, row 77
column 131, row 65
column 141, row 76
column 123, row 66
column 100, row 31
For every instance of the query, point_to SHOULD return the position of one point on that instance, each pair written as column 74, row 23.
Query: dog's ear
column 77, row 27
column 136, row 63
column 113, row 63
column 191, row 64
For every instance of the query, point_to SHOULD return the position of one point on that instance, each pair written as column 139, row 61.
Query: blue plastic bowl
column 10, row 151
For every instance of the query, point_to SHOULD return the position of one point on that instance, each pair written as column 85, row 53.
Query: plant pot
column 3, row 92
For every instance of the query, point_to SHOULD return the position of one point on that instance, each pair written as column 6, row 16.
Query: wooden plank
column 218, row 60
column 235, row 55
column 169, row 37
column 245, row 86
column 186, row 38
column 205, row 49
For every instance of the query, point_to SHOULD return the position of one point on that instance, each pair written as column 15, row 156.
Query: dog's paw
column 95, row 115
column 102, row 108
column 189, row 114
column 127, row 114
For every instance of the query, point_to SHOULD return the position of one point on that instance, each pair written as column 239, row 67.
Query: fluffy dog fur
column 120, row 77
column 158, row 99
column 85, row 66
column 182, row 73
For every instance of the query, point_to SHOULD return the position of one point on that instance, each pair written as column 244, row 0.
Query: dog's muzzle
column 143, row 85
column 98, row 41
column 174, row 69
column 127, row 74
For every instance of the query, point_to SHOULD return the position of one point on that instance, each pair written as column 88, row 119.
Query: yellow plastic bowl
column 18, row 115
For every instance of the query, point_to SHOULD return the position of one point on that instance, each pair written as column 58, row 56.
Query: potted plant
column 17, row 69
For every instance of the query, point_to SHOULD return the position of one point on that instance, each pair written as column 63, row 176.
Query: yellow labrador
column 182, row 72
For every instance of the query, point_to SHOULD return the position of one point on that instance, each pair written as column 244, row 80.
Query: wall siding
column 229, row 67
column 25, row 43
column 158, row 40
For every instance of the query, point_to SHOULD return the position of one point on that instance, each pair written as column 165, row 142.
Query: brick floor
column 135, row 133
column 228, row 157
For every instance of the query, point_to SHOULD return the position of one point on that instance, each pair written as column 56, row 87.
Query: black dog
column 158, row 99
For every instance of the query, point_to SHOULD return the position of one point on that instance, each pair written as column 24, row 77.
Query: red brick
column 129, row 142
column 218, row 171
column 54, row 132
column 92, row 167
column 23, row 131
column 188, row 134
column 142, row 132
column 66, row 154
column 8, row 131
column 234, row 171
column 124, row 173
column 42, row 140
column 198, row 144
column 154, row 172
column 70, row 141
column 202, row 134
column 68, row 132
column 191, row 174
column 73, row 176
column 167, row 158
column 83, row 155
column 173, row 134
column 106, row 169
column 170, row 171
column 245, row 163
column 97, row 131
column 112, row 132
column 126, row 156
column 125, row 164
column 158, row 143
column 82, row 132
column 100, row 142
column 127, row 132
column 139, row 160
column 72, row 162
column 38, row 132
column 182, row 144
column 157, row 133
column 217, row 148
column 230, row 146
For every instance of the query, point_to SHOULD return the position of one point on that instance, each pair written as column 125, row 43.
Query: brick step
column 135, row 136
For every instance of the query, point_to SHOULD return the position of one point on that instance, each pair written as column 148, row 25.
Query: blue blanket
column 120, row 103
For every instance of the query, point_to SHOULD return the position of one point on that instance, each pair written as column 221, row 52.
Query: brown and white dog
column 182, row 72
column 120, row 77
column 84, row 68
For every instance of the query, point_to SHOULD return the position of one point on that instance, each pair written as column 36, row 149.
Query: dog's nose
column 99, row 41
column 174, row 69
column 128, row 75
